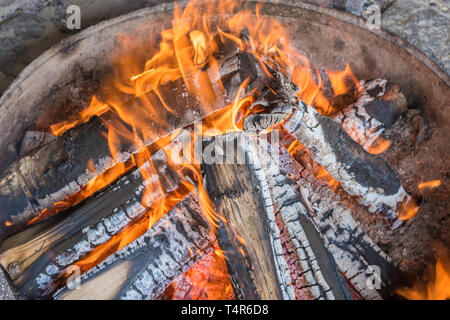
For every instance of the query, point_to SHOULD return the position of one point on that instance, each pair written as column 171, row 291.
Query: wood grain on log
column 145, row 267
column 252, row 270
column 319, row 275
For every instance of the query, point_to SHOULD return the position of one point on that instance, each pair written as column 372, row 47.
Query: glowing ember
column 318, row 171
column 379, row 146
column 208, row 279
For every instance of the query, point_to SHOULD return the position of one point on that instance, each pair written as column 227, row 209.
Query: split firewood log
column 361, row 174
column 36, row 258
column 245, row 236
column 145, row 267
column 230, row 186
column 369, row 270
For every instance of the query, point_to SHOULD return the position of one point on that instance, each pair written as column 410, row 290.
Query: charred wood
column 317, row 274
column 59, row 169
column 378, row 107
column 368, row 269
column 145, row 267
column 244, row 236
column 36, row 257
column 361, row 174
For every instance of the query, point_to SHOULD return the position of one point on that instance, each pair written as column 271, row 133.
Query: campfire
column 215, row 160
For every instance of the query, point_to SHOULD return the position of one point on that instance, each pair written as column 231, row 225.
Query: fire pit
column 216, row 153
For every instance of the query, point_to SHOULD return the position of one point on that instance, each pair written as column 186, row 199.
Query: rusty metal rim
column 168, row 7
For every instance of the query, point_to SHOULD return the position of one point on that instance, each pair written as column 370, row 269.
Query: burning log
column 357, row 257
column 254, row 194
column 361, row 174
column 51, row 173
column 36, row 257
column 246, row 240
column 57, row 173
column 145, row 267
column 379, row 105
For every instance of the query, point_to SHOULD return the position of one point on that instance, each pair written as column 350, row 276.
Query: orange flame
column 96, row 108
column 187, row 53
column 96, row 184
column 338, row 80
column 429, row 185
column 408, row 209
column 133, row 230
column 436, row 289
column 208, row 279
column 379, row 146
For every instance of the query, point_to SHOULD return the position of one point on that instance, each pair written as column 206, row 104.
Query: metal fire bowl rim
column 168, row 7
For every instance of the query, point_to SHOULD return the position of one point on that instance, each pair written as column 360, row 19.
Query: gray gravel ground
column 5, row 290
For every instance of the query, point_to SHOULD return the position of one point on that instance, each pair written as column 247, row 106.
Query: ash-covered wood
column 145, row 267
column 316, row 271
column 261, row 121
column 378, row 107
column 52, row 172
column 34, row 140
column 369, row 270
column 58, row 170
column 313, row 274
column 37, row 257
column 361, row 174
